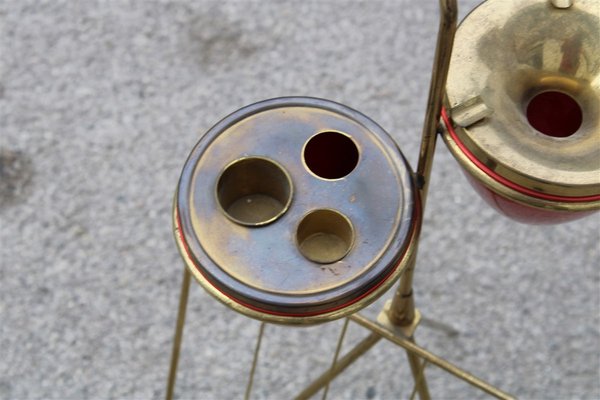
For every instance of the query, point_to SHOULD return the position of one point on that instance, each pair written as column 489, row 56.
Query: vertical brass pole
column 441, row 65
column 402, row 310
column 183, row 300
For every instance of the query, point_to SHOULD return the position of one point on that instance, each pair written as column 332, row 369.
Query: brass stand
column 399, row 319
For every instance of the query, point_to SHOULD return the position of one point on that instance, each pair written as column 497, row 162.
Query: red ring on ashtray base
column 506, row 182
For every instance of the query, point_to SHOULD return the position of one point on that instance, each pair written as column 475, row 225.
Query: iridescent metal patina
column 290, row 233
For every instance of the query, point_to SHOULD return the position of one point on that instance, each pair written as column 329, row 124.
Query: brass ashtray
column 296, row 210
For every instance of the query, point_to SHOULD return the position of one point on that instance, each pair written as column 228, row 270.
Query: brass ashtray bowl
column 296, row 210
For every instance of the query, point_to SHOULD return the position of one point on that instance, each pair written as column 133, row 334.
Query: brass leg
column 340, row 366
column 418, row 380
column 261, row 330
column 418, row 371
column 335, row 356
column 183, row 300
column 431, row 358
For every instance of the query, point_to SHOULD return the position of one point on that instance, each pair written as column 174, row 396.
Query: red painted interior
column 554, row 114
column 331, row 155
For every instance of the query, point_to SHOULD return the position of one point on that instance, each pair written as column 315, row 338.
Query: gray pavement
column 100, row 103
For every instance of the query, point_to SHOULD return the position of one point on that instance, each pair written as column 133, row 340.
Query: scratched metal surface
column 100, row 103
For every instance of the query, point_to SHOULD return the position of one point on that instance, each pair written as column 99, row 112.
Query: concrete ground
column 100, row 103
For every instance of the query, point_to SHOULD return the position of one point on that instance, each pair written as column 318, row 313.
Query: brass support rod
column 409, row 345
column 402, row 309
column 338, row 348
column 417, row 368
column 418, row 379
column 360, row 349
column 183, row 300
column 441, row 65
column 259, row 337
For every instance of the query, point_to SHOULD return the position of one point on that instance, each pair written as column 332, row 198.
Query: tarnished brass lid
column 524, row 94
column 293, row 209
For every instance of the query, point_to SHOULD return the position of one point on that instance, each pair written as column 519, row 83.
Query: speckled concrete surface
column 100, row 103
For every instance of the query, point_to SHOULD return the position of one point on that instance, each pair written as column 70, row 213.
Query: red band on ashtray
column 310, row 314
column 506, row 182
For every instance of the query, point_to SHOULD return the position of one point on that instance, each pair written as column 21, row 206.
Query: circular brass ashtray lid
column 524, row 93
column 295, row 208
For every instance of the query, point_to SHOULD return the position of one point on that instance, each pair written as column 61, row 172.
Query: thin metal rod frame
column 183, row 300
column 402, row 309
column 336, row 355
column 361, row 348
column 431, row 358
column 418, row 373
column 378, row 332
column 259, row 337
column 418, row 379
